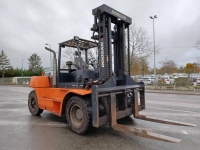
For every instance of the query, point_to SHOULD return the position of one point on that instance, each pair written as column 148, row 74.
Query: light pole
column 50, row 56
column 154, row 44
column 22, row 69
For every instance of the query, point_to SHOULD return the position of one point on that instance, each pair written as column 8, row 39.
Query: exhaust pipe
column 54, row 66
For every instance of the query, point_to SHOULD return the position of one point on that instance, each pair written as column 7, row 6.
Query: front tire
column 33, row 104
column 77, row 115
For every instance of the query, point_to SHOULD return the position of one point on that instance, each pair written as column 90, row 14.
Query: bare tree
column 198, row 60
column 197, row 44
column 69, row 53
column 93, row 53
column 140, row 42
column 168, row 66
column 63, row 65
column 141, row 46
column 144, row 68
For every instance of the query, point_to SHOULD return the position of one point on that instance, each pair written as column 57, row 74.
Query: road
column 19, row 130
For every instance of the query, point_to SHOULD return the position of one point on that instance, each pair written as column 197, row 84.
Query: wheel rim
column 33, row 104
column 76, row 115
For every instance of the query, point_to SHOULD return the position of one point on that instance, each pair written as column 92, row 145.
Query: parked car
column 193, row 77
column 138, row 77
column 149, row 80
column 198, row 81
column 181, row 75
column 167, row 79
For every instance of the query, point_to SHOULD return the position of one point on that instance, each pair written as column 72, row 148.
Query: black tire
column 78, row 115
column 33, row 104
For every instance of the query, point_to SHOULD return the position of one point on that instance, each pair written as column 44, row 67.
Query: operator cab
column 80, row 70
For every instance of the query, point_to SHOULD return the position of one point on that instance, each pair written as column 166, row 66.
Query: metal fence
column 15, row 80
column 26, row 81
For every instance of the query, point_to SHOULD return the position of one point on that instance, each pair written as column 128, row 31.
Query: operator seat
column 69, row 64
column 78, row 60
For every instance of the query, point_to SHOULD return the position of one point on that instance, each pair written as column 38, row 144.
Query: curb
column 174, row 92
column 16, row 85
column 146, row 91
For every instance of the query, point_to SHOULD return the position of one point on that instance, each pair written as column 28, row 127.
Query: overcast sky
column 26, row 25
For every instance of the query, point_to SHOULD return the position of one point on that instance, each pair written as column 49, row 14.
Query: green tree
column 189, row 68
column 4, row 63
column 30, row 73
column 35, row 64
column 17, row 72
column 9, row 72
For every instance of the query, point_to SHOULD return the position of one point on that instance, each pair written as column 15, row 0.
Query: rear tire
column 33, row 104
column 78, row 115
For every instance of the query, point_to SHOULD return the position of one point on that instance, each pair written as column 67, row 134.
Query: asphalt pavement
column 19, row 130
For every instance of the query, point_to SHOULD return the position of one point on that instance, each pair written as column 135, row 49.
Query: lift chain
column 105, row 47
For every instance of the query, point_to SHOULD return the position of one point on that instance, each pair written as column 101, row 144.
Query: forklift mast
column 111, row 42
column 117, row 89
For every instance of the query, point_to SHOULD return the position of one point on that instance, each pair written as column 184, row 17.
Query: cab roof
column 83, row 44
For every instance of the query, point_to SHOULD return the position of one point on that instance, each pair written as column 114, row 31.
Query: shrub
column 161, row 82
column 182, row 81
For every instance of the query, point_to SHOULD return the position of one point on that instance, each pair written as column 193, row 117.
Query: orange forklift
column 93, row 93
